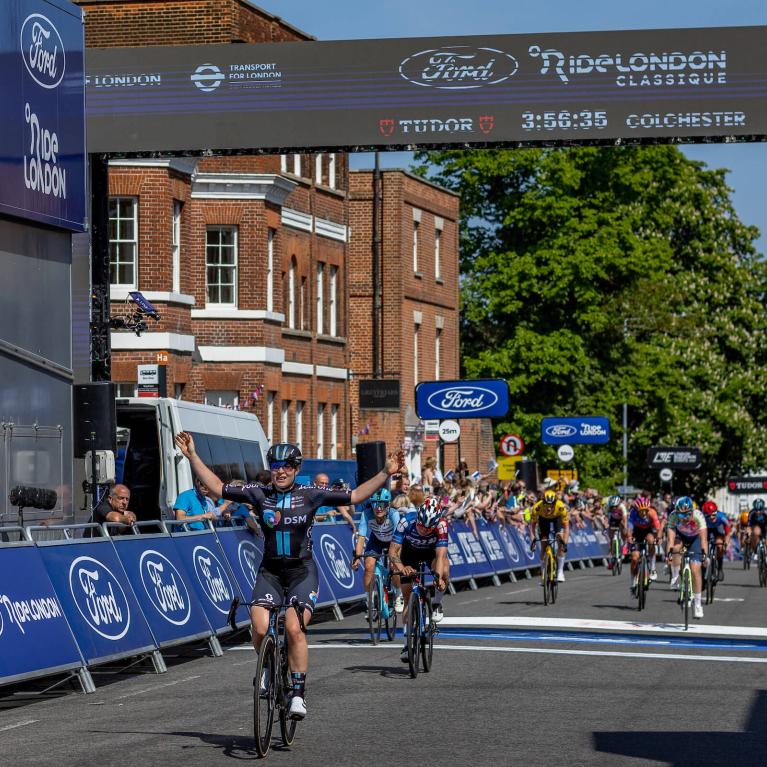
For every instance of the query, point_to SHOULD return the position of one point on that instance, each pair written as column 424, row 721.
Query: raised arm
column 185, row 443
column 394, row 465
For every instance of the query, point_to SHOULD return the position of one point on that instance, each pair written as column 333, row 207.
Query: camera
column 136, row 321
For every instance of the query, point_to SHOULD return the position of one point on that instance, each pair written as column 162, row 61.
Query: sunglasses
column 289, row 464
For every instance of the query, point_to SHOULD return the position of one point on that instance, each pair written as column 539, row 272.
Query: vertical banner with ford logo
column 35, row 637
column 483, row 398
column 332, row 546
column 42, row 133
column 97, row 598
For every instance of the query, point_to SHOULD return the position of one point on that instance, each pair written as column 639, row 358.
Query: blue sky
column 363, row 19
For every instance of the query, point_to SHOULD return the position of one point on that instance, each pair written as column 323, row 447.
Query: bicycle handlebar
column 299, row 607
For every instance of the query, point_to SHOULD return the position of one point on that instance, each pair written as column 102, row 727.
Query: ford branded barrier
column 333, row 547
column 483, row 398
column 97, row 598
column 580, row 430
column 35, row 637
column 163, row 588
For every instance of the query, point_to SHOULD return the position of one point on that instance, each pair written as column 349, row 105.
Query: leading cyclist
column 547, row 515
column 285, row 512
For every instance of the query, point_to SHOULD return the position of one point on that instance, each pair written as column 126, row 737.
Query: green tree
column 595, row 276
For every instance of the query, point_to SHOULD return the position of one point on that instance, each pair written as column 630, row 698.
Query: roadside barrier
column 69, row 603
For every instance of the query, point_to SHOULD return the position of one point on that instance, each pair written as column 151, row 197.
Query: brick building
column 259, row 271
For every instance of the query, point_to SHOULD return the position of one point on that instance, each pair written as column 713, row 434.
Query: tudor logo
column 458, row 66
column 42, row 50
column 207, row 77
column 99, row 597
column 165, row 587
column 486, row 123
column 386, row 127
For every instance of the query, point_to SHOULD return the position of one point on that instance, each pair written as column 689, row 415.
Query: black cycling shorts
column 412, row 557
column 547, row 525
column 277, row 584
column 640, row 533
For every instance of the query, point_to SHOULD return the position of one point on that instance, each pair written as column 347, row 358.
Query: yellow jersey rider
column 547, row 515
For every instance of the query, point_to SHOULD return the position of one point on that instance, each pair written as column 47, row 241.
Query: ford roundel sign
column 483, row 398
column 580, row 430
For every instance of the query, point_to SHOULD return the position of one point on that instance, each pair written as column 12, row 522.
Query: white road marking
column 18, row 724
column 581, row 624
column 549, row 651
column 729, row 599
column 158, row 687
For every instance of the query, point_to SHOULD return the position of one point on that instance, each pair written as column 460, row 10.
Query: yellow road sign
column 507, row 467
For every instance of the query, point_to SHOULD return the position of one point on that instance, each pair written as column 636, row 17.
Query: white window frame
column 126, row 389
column 437, row 254
column 334, row 432
column 333, row 301
column 332, row 171
column 292, row 293
column 296, row 164
column 437, row 353
column 320, row 298
column 226, row 398
column 234, row 266
column 318, row 169
column 270, row 271
column 176, row 246
column 270, row 416
column 321, row 430
column 284, row 414
column 114, row 263
column 283, row 163
column 302, row 306
column 416, row 332
column 299, row 424
column 416, row 224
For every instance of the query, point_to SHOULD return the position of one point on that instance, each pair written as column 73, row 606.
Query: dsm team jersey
column 407, row 534
column 286, row 519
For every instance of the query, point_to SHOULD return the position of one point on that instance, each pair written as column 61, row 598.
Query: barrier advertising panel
column 35, row 638
column 332, row 552
column 472, row 551
column 460, row 569
column 97, row 599
column 243, row 552
column 209, row 574
column 162, row 587
column 494, row 547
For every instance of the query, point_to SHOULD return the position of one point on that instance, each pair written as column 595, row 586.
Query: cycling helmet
column 613, row 501
column 549, row 497
column 381, row 498
column 710, row 508
column 642, row 503
column 284, row 454
column 684, row 505
column 429, row 513
column 758, row 504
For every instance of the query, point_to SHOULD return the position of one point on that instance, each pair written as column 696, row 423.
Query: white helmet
column 429, row 513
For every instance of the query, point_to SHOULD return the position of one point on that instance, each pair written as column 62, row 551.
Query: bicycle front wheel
column 686, row 596
column 545, row 564
column 264, row 701
column 762, row 564
column 413, row 634
column 427, row 635
column 641, row 590
column 614, row 555
column 374, row 609
column 710, row 580
column 391, row 617
column 552, row 576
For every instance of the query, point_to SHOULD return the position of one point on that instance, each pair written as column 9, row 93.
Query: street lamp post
column 625, row 419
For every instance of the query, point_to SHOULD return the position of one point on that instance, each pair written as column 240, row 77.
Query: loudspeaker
column 528, row 472
column 94, row 411
column 371, row 458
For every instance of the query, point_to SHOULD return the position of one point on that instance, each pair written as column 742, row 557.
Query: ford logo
column 165, row 587
column 249, row 557
column 561, row 430
column 462, row 399
column 99, row 597
column 511, row 549
column 336, row 561
column 458, row 66
column 42, row 50
column 213, row 578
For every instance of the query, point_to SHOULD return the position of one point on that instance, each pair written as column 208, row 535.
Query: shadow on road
column 390, row 672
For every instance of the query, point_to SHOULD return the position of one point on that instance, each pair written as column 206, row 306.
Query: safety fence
column 76, row 596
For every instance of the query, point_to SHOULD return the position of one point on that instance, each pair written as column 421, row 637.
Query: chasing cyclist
column 744, row 533
column 643, row 527
column 617, row 524
column 547, row 515
column 285, row 512
column 687, row 526
column 719, row 532
column 423, row 539
column 757, row 522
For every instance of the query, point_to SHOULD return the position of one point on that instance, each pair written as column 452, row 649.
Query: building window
column 334, row 432
column 126, row 389
column 332, row 171
column 416, row 333
column 221, row 265
column 178, row 391
column 224, row 398
column 321, row 430
column 303, row 302
column 176, row 246
column 333, row 301
column 284, row 420
column 296, row 164
column 270, row 417
column 270, row 271
column 123, row 241
column 292, row 293
column 437, row 254
column 415, row 246
column 320, row 298
column 437, row 353
column 299, row 424
column 283, row 163
column 318, row 169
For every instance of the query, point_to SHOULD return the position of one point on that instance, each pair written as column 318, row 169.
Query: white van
column 232, row 443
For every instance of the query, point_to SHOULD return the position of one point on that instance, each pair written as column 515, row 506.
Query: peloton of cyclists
column 643, row 527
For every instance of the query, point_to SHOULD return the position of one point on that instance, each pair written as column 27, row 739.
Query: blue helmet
column 684, row 505
column 382, row 497
column 758, row 504
column 614, row 500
